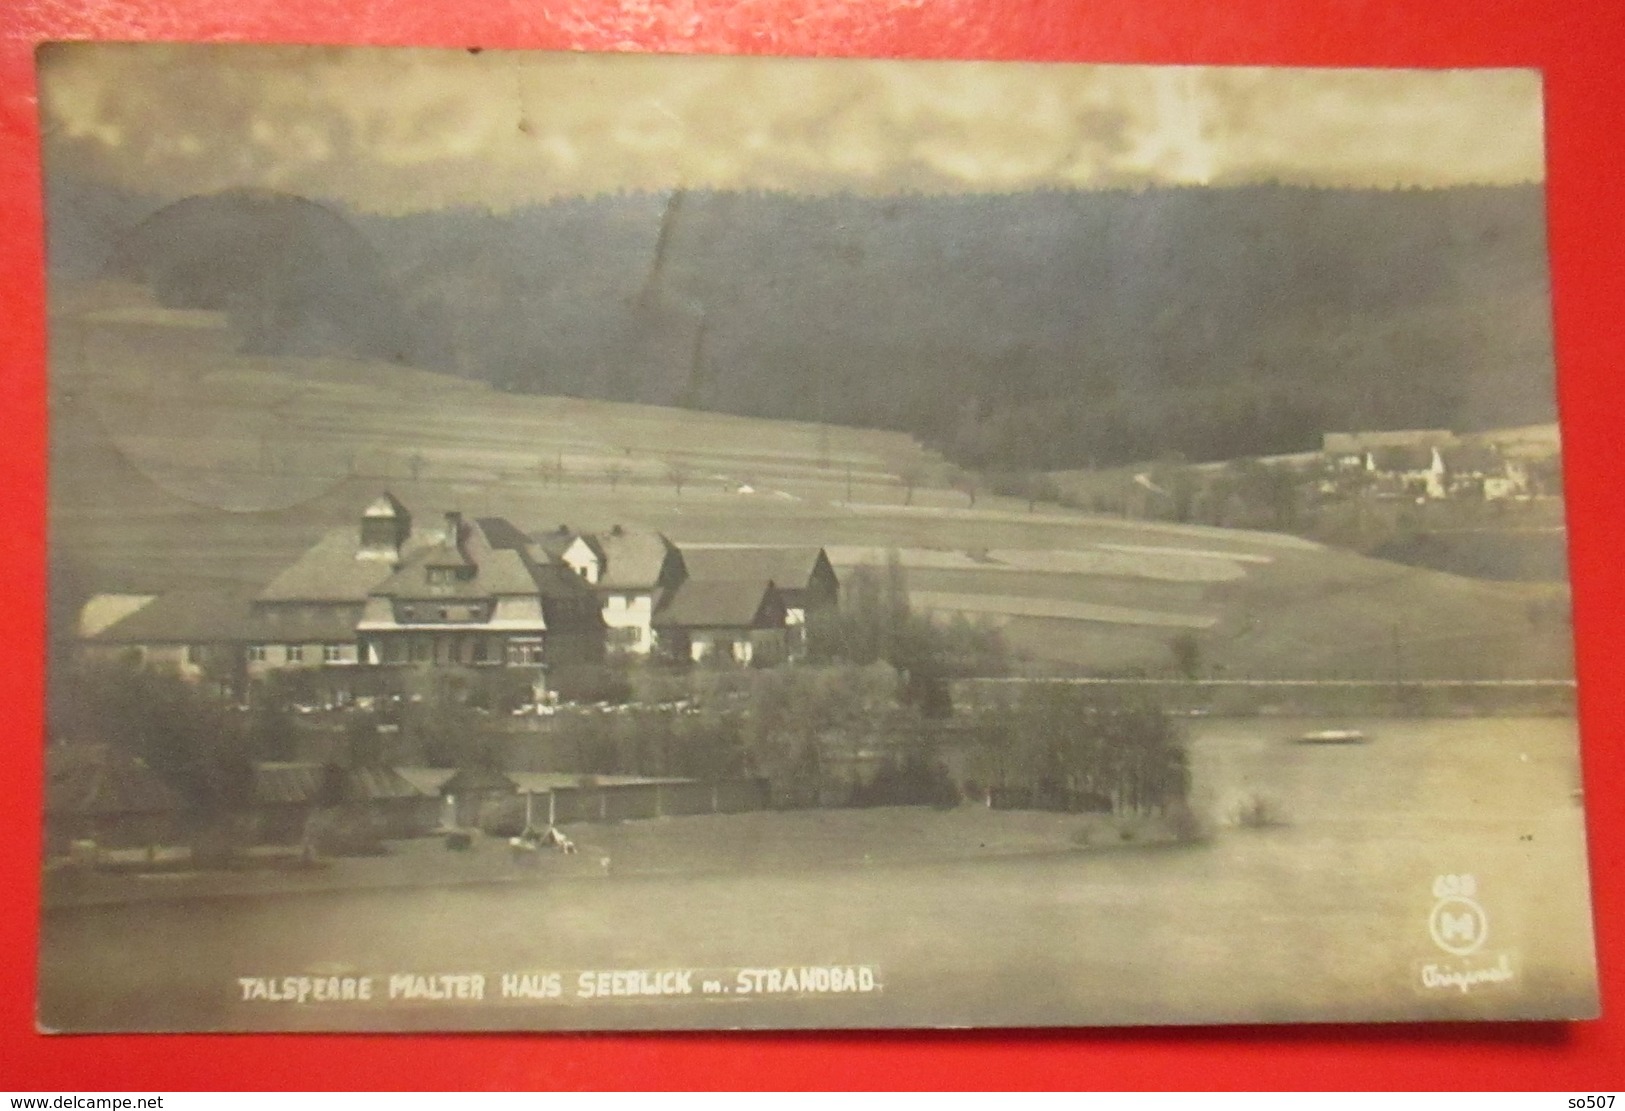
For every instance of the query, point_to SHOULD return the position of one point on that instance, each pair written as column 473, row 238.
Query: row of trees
column 1072, row 748
column 876, row 623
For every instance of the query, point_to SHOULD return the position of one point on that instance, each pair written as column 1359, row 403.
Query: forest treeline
column 1036, row 331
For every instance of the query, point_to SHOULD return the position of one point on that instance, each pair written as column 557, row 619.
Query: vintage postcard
column 554, row 541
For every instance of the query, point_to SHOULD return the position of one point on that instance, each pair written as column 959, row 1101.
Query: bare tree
column 551, row 470
column 678, row 475
column 615, row 472
column 967, row 483
column 416, row 464
column 910, row 475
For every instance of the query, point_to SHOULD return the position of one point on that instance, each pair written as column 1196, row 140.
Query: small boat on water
column 1333, row 737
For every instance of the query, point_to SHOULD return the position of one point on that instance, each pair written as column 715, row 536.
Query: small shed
column 101, row 793
column 469, row 790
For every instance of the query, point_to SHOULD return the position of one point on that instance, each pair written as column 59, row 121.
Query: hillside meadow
column 176, row 460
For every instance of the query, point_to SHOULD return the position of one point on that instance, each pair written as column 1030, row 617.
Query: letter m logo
column 1461, row 927
column 1458, row 926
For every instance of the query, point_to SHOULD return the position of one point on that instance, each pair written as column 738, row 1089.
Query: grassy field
column 176, row 461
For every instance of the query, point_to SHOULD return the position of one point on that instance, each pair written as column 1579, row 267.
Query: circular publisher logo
column 1457, row 924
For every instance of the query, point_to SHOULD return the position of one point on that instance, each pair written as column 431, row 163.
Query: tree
column 876, row 623
column 1187, row 654
column 967, row 483
column 1073, row 748
column 440, row 724
column 678, row 475
column 615, row 472
column 910, row 475
column 416, row 464
column 191, row 740
column 1039, row 487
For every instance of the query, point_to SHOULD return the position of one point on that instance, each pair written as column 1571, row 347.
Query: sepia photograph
column 565, row 541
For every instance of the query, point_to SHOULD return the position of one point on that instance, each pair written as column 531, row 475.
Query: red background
column 1580, row 45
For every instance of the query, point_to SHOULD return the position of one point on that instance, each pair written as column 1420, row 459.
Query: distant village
column 1434, row 465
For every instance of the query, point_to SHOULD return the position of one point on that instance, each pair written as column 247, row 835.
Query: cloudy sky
column 400, row 130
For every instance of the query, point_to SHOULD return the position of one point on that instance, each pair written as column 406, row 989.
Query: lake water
column 1324, row 918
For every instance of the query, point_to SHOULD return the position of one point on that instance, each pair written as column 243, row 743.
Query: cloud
column 397, row 130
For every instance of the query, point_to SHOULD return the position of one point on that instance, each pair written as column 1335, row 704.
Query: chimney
column 454, row 529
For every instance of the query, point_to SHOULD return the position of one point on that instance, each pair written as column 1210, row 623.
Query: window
column 296, row 653
column 525, row 652
column 335, row 653
column 194, row 655
column 256, row 653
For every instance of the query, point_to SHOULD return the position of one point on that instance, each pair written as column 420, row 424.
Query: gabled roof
column 186, row 617
column 387, row 505
column 227, row 617
column 790, row 568
column 554, row 542
column 278, row 783
column 714, row 604
column 496, row 571
column 375, row 784
column 100, row 779
column 427, row 781
column 330, row 570
column 478, row 781
column 633, row 558
column 503, row 533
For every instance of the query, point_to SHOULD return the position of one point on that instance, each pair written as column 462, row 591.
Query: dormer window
column 442, row 576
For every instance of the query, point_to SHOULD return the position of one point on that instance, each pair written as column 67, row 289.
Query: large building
column 388, row 591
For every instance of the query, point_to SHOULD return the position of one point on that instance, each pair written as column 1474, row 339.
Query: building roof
column 633, row 558
column 427, row 781
column 330, row 569
column 478, row 781
column 186, row 617
column 496, row 571
column 714, row 604
column 387, row 505
column 102, row 779
column 554, row 542
column 228, row 617
column 377, row 784
column 295, row 782
column 790, row 568
column 503, row 533
column 279, row 783
column 103, row 610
